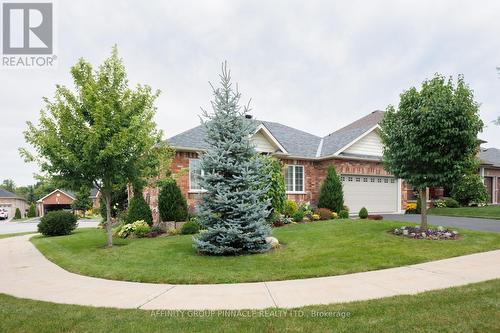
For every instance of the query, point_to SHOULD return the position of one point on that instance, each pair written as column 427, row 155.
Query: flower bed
column 432, row 234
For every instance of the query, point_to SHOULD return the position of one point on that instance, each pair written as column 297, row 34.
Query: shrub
column 172, row 205
column 315, row 217
column 139, row 210
column 32, row 210
column 451, row 203
column 173, row 232
column 291, row 208
column 57, row 223
column 190, row 228
column 375, row 217
column 17, row 215
column 155, row 232
column 344, row 214
column 469, row 189
column 335, row 215
column 138, row 229
column 363, row 213
column 298, row 216
column 439, row 203
column 272, row 173
column 418, row 208
column 331, row 195
column 324, row 213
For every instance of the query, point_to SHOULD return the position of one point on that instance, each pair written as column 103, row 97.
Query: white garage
column 377, row 193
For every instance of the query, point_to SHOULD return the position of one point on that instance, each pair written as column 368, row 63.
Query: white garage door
column 377, row 194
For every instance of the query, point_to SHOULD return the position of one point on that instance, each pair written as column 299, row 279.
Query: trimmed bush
column 172, row 205
column 291, row 208
column 331, row 195
column 17, row 215
column 138, row 229
column 324, row 213
column 451, row 203
column 363, row 213
column 343, row 214
column 273, row 174
column 139, row 210
column 190, row 228
column 298, row 216
column 32, row 210
column 469, row 189
column 57, row 223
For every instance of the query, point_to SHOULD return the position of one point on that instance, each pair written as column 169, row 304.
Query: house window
column 294, row 178
column 379, row 180
column 342, row 178
column 349, row 179
column 372, row 180
column 358, row 179
column 365, row 180
column 195, row 173
column 386, row 180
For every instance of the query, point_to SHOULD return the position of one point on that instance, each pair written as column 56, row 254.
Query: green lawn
column 16, row 234
column 310, row 250
column 487, row 212
column 472, row 308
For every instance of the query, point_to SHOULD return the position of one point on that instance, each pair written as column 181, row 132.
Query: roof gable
column 7, row 194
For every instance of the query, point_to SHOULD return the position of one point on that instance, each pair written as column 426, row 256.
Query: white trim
column 263, row 128
column 357, row 139
column 400, row 193
column 320, row 148
column 294, row 185
column 56, row 190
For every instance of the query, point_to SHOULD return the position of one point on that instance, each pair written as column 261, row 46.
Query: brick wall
column 314, row 174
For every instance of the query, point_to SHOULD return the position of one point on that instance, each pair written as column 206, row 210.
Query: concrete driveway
column 9, row 227
column 449, row 221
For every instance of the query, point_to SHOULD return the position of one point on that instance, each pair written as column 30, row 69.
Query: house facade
column 10, row 202
column 354, row 150
column 62, row 200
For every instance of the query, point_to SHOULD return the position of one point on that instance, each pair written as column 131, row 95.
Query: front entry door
column 488, row 182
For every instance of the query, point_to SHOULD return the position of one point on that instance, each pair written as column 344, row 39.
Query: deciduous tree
column 430, row 139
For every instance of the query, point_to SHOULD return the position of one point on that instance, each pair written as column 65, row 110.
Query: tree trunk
column 423, row 209
column 107, row 199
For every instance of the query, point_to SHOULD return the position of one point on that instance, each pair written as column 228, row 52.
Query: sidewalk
column 26, row 273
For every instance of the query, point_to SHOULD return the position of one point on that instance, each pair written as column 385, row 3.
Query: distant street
column 10, row 227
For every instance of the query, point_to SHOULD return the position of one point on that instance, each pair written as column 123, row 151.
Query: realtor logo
column 27, row 29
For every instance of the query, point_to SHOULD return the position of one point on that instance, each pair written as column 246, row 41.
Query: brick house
column 355, row 150
column 62, row 200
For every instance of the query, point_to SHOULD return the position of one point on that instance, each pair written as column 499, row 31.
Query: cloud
column 314, row 65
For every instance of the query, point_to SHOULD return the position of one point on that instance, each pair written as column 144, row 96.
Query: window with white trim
column 294, row 178
column 195, row 172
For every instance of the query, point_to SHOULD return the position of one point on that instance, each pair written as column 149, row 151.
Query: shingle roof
column 335, row 141
column 490, row 156
column 7, row 194
column 296, row 142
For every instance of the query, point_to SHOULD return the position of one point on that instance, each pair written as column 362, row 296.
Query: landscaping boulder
column 273, row 241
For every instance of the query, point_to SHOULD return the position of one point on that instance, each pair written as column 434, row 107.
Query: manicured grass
column 16, row 234
column 472, row 308
column 309, row 250
column 487, row 212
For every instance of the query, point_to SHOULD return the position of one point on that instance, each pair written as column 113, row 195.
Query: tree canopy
column 101, row 134
column 430, row 139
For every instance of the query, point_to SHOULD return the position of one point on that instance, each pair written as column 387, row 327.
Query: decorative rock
column 273, row 241
column 405, row 232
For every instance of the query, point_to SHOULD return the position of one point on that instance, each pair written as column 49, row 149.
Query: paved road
column 449, row 221
column 28, row 226
column 26, row 273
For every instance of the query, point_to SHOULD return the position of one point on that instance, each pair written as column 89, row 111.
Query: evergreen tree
column 234, row 209
column 273, row 175
column 32, row 210
column 171, row 203
column 331, row 195
column 139, row 210
column 82, row 201
column 17, row 215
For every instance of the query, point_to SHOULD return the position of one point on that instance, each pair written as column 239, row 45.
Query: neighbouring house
column 355, row 151
column 10, row 201
column 490, row 172
column 62, row 200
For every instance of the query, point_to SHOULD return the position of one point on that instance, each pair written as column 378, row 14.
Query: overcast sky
column 313, row 65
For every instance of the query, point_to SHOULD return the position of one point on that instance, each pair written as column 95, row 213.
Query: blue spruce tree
column 235, row 207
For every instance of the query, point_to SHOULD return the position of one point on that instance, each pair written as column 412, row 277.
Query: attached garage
column 377, row 193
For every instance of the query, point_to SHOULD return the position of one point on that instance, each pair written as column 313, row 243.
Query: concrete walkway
column 471, row 223
column 26, row 273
